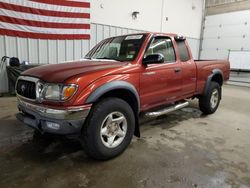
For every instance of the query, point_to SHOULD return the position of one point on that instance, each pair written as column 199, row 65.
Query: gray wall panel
column 85, row 47
column 77, row 49
column 118, row 31
column 112, row 31
column 130, row 31
column 61, row 56
column 106, row 31
column 22, row 50
column 93, row 39
column 100, row 33
column 52, row 51
column 43, row 51
column 124, row 31
column 69, row 50
column 33, row 51
column 3, row 74
column 11, row 46
column 2, row 46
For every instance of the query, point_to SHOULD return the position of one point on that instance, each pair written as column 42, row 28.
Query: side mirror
column 153, row 59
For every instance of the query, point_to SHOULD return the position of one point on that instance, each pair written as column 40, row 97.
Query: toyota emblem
column 23, row 88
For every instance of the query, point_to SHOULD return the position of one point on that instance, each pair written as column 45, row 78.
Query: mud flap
column 137, row 129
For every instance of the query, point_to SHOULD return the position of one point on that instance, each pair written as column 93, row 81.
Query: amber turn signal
column 68, row 91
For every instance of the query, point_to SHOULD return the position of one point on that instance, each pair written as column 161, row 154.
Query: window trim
column 162, row 37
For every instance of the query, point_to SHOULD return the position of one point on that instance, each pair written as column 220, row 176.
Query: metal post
column 162, row 9
column 202, row 27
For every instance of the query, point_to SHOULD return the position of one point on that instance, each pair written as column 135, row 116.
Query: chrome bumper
column 63, row 121
column 68, row 113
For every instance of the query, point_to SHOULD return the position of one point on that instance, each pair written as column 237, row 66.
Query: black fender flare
column 113, row 86
column 210, row 77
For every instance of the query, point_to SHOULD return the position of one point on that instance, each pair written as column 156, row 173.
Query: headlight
column 52, row 92
column 59, row 92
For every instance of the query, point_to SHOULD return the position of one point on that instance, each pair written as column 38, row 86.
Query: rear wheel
column 210, row 101
column 109, row 129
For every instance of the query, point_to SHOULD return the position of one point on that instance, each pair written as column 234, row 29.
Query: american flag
column 45, row 19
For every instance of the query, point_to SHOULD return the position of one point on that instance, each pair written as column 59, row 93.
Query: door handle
column 177, row 70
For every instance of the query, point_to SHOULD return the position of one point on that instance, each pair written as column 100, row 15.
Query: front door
column 161, row 83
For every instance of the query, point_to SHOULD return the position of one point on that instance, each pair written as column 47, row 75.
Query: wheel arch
column 216, row 76
column 119, row 89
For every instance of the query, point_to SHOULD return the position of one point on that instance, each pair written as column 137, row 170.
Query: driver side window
column 162, row 46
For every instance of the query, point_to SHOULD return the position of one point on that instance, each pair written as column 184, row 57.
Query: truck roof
column 152, row 33
column 160, row 33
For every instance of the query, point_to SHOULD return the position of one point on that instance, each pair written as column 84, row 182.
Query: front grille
column 26, row 89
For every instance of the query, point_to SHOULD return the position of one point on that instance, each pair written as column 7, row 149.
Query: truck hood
column 58, row 73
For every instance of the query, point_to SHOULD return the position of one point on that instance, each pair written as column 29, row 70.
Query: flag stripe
column 64, row 3
column 42, row 35
column 33, row 29
column 43, row 6
column 8, row 19
column 27, row 16
column 24, row 9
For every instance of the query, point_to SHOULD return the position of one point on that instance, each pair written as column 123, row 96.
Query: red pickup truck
column 99, row 99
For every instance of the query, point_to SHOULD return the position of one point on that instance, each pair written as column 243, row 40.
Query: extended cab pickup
column 99, row 98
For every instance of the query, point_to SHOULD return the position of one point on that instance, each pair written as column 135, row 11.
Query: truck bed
column 205, row 68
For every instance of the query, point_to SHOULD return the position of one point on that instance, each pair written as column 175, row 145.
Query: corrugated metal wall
column 56, row 51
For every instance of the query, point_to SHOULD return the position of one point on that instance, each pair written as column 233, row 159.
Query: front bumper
column 67, row 120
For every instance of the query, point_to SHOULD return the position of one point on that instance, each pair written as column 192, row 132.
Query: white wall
column 224, row 32
column 118, row 13
column 184, row 16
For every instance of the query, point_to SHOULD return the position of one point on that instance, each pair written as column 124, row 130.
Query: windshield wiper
column 108, row 58
column 87, row 57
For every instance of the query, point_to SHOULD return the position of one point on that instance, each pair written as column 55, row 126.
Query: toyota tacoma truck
column 100, row 98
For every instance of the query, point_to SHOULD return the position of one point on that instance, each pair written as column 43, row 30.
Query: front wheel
column 210, row 101
column 109, row 129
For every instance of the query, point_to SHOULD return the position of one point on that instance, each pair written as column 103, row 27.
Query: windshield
column 123, row 48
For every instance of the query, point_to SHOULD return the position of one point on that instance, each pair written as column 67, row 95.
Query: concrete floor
column 182, row 149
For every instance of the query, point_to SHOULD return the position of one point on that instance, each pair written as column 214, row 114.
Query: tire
column 210, row 101
column 98, row 132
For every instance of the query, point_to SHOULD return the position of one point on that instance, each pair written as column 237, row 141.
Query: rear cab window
column 183, row 51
